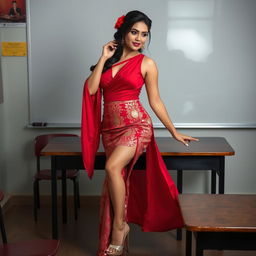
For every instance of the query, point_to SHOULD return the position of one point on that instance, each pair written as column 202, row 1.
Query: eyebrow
column 139, row 31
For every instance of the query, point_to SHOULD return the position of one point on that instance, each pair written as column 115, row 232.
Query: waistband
column 120, row 101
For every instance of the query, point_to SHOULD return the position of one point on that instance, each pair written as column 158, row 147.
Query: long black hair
column 129, row 20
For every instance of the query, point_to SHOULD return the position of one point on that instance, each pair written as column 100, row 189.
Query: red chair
column 45, row 174
column 42, row 247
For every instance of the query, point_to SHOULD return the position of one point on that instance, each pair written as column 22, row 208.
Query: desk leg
column 213, row 182
column 179, row 186
column 188, row 243
column 54, row 199
column 179, row 180
column 76, row 196
column 199, row 244
column 64, row 196
column 222, row 175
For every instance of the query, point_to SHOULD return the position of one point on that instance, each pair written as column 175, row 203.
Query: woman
column 147, row 198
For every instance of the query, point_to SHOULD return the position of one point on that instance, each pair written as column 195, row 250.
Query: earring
column 142, row 47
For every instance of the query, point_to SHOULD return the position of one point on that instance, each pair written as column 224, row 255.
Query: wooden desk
column 219, row 222
column 206, row 154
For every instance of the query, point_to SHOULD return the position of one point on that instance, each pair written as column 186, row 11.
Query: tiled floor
column 80, row 238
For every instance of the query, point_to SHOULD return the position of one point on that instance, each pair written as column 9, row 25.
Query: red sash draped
column 90, row 128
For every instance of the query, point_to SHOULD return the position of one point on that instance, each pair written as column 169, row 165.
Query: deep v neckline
column 121, row 62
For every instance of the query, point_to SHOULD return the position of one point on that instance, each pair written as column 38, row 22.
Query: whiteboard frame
column 160, row 126
column 29, row 59
column 157, row 125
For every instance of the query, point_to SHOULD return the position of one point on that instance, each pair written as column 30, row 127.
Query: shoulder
column 148, row 65
column 148, row 61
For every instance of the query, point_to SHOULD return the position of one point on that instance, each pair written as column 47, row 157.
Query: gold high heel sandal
column 119, row 249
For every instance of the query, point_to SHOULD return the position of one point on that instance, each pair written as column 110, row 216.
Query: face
column 137, row 36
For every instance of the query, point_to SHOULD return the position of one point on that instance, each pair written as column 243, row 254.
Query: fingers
column 182, row 140
column 194, row 139
column 109, row 49
column 112, row 45
column 185, row 143
column 189, row 138
column 186, row 139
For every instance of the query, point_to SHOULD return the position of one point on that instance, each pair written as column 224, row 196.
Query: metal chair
column 45, row 174
column 42, row 247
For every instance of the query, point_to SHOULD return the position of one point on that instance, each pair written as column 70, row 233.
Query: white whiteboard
column 205, row 51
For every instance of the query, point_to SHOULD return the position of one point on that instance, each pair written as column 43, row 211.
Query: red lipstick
column 136, row 44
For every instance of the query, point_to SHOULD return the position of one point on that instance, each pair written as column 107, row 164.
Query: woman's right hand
column 109, row 49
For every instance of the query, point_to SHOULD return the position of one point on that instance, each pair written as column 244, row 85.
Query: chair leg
column 78, row 190
column 2, row 226
column 37, row 194
column 75, row 197
column 35, row 184
column 78, row 194
column 64, row 196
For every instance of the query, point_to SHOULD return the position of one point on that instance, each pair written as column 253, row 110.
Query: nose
column 138, row 37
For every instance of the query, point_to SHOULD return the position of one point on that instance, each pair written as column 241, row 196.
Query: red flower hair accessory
column 119, row 22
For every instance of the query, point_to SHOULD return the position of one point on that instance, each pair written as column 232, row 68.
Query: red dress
column 151, row 196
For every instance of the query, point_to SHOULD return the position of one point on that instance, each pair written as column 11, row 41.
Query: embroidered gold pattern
column 125, row 123
column 134, row 113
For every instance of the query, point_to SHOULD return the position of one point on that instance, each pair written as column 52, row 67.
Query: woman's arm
column 94, row 78
column 149, row 68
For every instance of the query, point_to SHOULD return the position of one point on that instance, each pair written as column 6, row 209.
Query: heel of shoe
column 126, row 245
column 119, row 249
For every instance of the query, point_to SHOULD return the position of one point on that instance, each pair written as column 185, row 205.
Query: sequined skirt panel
column 125, row 123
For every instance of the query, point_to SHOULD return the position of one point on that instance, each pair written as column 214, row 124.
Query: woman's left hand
column 185, row 139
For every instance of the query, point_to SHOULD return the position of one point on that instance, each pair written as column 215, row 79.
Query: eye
column 145, row 34
column 133, row 32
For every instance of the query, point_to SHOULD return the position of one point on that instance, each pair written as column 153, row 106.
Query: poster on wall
column 12, row 11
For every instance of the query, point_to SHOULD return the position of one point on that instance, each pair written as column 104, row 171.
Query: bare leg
column 119, row 158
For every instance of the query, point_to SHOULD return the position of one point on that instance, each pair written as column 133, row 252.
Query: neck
column 128, row 53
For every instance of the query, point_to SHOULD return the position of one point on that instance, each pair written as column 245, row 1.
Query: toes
column 110, row 251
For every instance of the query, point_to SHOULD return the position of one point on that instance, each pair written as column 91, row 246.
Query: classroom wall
column 1, row 132
column 2, row 168
column 17, row 162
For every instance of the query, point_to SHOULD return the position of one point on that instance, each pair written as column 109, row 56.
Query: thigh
column 120, row 157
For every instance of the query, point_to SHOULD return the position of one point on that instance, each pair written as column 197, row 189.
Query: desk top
column 168, row 146
column 219, row 212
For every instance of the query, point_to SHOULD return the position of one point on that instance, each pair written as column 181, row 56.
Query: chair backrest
column 42, row 140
